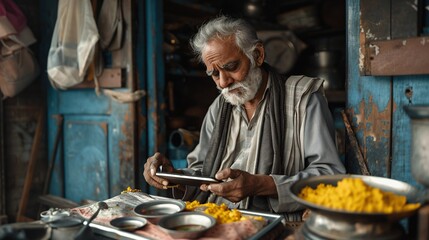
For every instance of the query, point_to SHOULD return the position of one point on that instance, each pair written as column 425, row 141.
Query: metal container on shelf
column 326, row 64
column 419, row 115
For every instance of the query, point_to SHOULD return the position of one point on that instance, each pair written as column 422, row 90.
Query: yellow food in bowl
column 354, row 195
column 221, row 213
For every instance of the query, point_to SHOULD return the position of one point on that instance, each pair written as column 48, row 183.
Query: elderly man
column 262, row 133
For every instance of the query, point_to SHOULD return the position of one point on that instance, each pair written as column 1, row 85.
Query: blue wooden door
column 97, row 154
column 375, row 103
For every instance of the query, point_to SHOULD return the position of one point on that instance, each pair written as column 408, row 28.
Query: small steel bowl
column 156, row 209
column 186, row 224
column 128, row 224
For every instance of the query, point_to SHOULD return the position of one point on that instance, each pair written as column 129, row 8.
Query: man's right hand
column 150, row 167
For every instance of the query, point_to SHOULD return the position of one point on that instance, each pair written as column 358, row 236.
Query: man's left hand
column 240, row 184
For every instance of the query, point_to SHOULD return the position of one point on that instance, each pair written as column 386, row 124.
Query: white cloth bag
column 73, row 43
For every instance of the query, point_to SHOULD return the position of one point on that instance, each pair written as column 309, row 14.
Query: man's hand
column 240, row 184
column 151, row 166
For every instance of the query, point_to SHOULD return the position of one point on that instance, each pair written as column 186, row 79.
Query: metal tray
column 273, row 221
column 385, row 184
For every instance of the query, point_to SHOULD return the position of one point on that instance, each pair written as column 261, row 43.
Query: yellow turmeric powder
column 352, row 194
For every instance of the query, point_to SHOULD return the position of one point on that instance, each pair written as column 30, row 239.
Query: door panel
column 86, row 171
column 97, row 157
column 83, row 101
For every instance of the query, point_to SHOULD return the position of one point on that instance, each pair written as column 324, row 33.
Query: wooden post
column 30, row 169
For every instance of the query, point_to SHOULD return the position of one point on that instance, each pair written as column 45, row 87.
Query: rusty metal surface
column 399, row 57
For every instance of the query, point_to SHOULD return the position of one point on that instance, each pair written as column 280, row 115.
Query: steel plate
column 385, row 184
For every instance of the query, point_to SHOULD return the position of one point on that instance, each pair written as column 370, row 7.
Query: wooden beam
column 30, row 168
column 110, row 78
column 399, row 57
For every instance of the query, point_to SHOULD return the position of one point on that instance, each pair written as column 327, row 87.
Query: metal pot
column 419, row 115
column 65, row 228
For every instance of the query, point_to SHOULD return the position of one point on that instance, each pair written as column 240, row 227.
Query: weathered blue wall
column 375, row 107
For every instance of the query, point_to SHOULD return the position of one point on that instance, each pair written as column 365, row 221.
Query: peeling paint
column 370, row 35
column 373, row 125
column 361, row 60
column 376, row 48
column 103, row 126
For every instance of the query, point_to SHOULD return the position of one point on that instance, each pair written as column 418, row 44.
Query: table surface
column 123, row 205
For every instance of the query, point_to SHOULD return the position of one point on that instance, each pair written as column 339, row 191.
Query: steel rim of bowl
column 136, row 222
column 159, row 204
column 169, row 222
column 395, row 186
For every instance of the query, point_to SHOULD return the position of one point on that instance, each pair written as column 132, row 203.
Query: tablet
column 186, row 179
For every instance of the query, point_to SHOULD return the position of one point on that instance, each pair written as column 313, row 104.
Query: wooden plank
column 156, row 105
column 86, row 158
column 374, row 25
column 368, row 98
column 355, row 145
column 399, row 57
column 405, row 19
column 110, row 78
column 140, row 69
column 30, row 168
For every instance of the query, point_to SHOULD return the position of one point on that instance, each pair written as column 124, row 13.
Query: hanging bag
column 18, row 65
column 18, row 70
column 111, row 25
column 73, row 43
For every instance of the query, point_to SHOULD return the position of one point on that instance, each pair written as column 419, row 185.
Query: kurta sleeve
column 320, row 153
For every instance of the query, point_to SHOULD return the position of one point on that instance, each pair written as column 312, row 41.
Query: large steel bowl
column 154, row 210
column 186, row 224
column 385, row 184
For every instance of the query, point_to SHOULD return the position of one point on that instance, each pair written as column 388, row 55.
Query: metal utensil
column 85, row 232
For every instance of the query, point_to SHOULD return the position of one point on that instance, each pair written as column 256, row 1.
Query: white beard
column 247, row 88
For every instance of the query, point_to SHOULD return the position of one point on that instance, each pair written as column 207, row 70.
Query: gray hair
column 223, row 27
